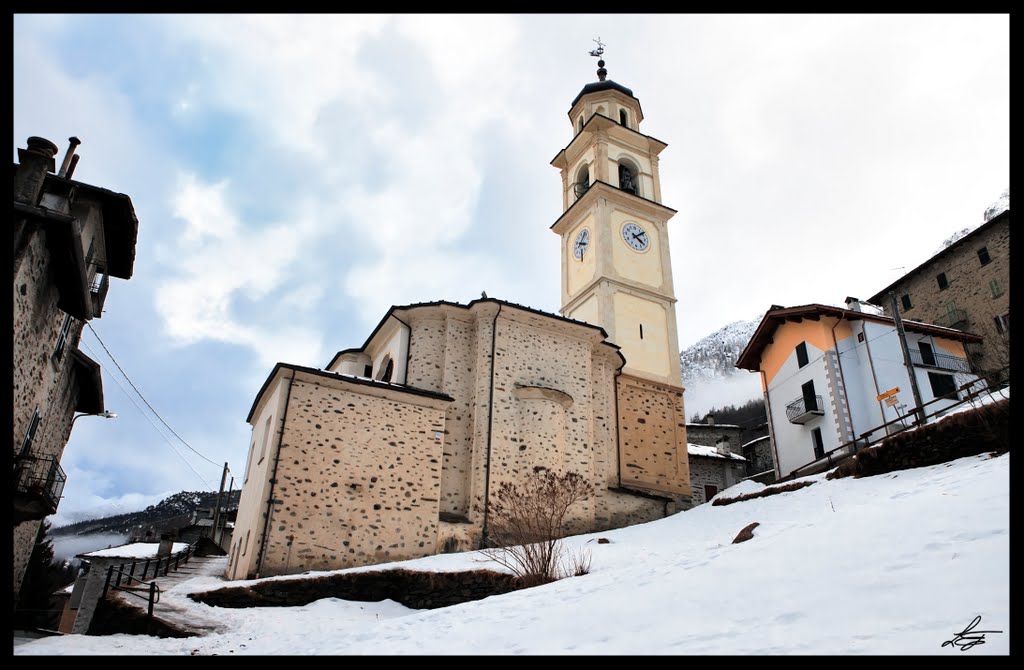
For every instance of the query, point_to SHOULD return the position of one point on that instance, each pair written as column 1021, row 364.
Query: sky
column 894, row 564
column 294, row 176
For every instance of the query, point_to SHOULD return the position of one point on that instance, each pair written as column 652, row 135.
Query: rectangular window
column 30, row 434
column 368, row 371
column 62, row 339
column 819, row 444
column 996, row 287
column 943, row 282
column 1002, row 322
column 266, row 439
column 801, row 354
column 943, row 386
column 905, row 299
column 860, row 337
column 641, row 331
column 983, row 256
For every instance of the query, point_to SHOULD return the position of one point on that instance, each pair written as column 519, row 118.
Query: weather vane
column 597, row 53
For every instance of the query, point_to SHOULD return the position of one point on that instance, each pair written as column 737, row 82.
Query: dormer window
column 624, row 117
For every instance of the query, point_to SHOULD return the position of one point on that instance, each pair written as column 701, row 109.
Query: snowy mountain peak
column 715, row 356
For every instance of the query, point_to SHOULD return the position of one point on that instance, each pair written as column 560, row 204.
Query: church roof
column 606, row 85
column 403, row 388
column 435, row 303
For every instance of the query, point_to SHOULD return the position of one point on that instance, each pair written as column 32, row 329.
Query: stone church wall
column 359, row 478
column 652, row 436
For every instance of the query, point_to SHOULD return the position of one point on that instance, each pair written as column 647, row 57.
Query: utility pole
column 216, row 510
column 918, row 410
column 227, row 504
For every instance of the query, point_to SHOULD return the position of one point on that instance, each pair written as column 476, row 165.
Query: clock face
column 635, row 236
column 579, row 247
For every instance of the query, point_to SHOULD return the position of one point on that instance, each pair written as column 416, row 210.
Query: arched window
column 579, row 125
column 387, row 368
column 624, row 117
column 627, row 179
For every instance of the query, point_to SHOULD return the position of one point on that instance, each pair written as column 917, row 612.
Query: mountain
column 715, row 356
column 170, row 513
column 710, row 375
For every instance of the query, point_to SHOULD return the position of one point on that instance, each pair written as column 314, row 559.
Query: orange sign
column 888, row 393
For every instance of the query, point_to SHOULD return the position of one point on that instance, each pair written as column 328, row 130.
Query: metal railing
column 41, row 477
column 799, row 409
column 117, row 573
column 941, row 361
column 836, row 456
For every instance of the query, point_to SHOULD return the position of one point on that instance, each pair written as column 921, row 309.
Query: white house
column 832, row 375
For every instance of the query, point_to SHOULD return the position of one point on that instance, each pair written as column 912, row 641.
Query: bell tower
column 616, row 267
column 617, row 274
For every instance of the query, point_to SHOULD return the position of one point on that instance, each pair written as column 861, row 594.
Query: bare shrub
column 526, row 522
column 578, row 563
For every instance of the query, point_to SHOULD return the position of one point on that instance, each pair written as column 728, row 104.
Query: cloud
column 223, row 261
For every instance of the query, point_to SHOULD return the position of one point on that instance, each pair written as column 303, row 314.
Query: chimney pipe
column 71, row 168
column 67, row 157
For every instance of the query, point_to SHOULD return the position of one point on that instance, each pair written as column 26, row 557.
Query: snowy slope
column 893, row 564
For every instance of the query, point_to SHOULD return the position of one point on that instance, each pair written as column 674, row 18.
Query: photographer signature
column 969, row 637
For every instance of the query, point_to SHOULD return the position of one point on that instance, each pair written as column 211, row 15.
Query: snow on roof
column 711, row 452
column 756, row 439
column 133, row 550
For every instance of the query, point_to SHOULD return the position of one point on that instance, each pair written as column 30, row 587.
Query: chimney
column 710, row 419
column 67, row 167
column 853, row 303
column 35, row 162
column 165, row 546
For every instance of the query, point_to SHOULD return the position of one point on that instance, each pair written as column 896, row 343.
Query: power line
column 208, row 486
column 97, row 336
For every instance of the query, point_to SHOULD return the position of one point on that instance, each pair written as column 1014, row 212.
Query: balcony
column 940, row 361
column 38, row 485
column 954, row 318
column 800, row 411
column 98, row 292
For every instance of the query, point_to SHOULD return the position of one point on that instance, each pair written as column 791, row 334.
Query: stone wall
column 358, row 478
column 759, row 456
column 968, row 290
column 715, row 472
column 652, row 436
column 418, row 590
column 39, row 379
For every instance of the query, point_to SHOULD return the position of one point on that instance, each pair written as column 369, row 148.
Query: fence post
column 131, row 573
column 106, row 584
column 120, row 570
column 152, row 595
column 145, row 569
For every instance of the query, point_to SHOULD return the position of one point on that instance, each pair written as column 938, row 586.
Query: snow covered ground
column 894, row 564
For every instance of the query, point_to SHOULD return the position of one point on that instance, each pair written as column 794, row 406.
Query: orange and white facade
column 832, row 375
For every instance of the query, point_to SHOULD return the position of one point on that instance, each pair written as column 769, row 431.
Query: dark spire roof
column 602, row 83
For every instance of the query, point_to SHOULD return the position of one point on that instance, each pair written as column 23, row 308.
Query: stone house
column 70, row 238
column 834, row 378
column 716, row 458
column 394, row 449
column 964, row 286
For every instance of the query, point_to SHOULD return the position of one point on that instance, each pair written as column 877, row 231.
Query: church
column 393, row 450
